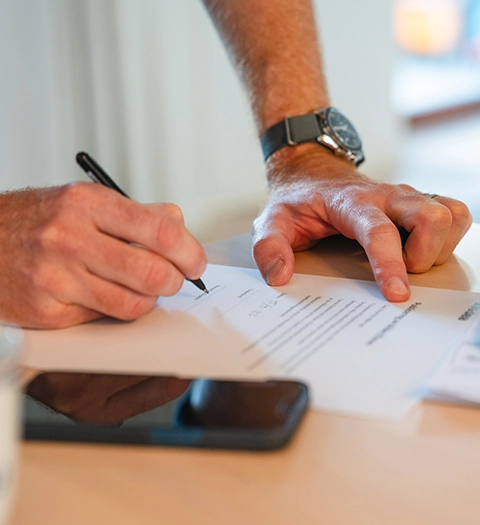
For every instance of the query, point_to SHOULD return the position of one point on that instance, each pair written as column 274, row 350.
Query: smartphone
column 111, row 408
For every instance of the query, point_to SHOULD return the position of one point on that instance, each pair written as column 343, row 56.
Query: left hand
column 314, row 194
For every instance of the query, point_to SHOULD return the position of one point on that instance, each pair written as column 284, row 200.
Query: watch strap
column 290, row 132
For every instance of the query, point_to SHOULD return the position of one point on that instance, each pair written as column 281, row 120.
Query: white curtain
column 360, row 54
column 144, row 86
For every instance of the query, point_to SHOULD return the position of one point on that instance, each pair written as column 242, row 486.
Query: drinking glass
column 10, row 341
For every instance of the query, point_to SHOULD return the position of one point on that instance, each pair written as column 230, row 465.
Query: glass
column 10, row 340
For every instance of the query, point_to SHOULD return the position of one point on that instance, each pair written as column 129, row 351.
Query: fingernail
column 397, row 286
column 273, row 270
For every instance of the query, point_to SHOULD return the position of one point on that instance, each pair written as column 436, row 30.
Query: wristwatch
column 327, row 127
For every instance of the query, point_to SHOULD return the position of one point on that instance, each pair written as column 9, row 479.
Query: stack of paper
column 458, row 378
column 359, row 353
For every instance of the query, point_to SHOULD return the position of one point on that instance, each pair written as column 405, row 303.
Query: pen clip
column 96, row 173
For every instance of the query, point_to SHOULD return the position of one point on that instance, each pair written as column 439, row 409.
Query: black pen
column 100, row 176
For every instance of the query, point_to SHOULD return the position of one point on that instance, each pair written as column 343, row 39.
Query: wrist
column 306, row 162
column 327, row 127
column 279, row 107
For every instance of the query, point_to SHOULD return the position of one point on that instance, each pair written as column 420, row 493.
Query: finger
column 429, row 224
column 461, row 222
column 435, row 228
column 112, row 400
column 272, row 248
column 168, row 236
column 133, row 267
column 71, row 393
column 123, row 404
column 159, row 229
column 382, row 244
column 107, row 298
column 146, row 395
column 57, row 315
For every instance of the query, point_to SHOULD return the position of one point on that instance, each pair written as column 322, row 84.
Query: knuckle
column 78, row 199
column 151, row 274
column 75, row 193
column 48, row 236
column 460, row 212
column 440, row 217
column 168, row 233
column 259, row 226
column 135, row 308
column 54, row 230
column 273, row 213
column 46, row 278
column 174, row 284
column 260, row 247
column 406, row 188
column 417, row 266
column 255, row 230
column 159, row 278
column 56, row 237
column 174, row 210
column 379, row 229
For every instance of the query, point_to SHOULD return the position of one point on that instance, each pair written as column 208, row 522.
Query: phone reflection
column 101, row 408
column 103, row 398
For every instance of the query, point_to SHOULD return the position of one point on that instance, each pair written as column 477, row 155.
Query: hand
column 103, row 398
column 314, row 194
column 74, row 253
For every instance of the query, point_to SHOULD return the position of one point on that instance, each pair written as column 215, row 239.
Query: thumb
column 274, row 256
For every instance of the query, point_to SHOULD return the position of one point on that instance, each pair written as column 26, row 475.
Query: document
column 358, row 353
column 458, row 377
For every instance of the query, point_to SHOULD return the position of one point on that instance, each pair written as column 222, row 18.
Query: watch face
column 343, row 130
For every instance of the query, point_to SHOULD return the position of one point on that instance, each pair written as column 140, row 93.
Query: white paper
column 458, row 378
column 359, row 353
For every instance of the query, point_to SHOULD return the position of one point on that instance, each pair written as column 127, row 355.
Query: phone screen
column 111, row 408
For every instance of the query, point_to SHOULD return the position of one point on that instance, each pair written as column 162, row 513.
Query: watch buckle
column 289, row 132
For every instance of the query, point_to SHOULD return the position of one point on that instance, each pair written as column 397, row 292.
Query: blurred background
column 147, row 89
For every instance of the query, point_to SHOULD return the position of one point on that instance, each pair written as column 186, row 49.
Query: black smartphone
column 111, row 408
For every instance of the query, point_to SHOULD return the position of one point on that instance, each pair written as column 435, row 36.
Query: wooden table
column 338, row 470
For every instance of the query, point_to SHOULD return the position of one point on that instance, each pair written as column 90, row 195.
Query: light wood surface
column 338, row 470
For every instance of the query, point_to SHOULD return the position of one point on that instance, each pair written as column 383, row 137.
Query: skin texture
column 313, row 193
column 78, row 252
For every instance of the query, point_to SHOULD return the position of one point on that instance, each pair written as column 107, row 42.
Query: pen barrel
column 96, row 172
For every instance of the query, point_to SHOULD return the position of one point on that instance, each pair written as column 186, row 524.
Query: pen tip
column 199, row 284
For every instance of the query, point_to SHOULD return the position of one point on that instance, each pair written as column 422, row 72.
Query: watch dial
column 343, row 130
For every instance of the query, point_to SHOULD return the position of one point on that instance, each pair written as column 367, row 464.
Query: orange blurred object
column 428, row 27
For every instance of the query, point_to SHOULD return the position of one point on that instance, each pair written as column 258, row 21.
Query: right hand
column 74, row 253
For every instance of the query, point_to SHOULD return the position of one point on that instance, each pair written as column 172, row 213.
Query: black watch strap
column 290, row 132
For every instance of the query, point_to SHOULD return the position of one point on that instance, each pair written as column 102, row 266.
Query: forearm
column 274, row 47
column 314, row 193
